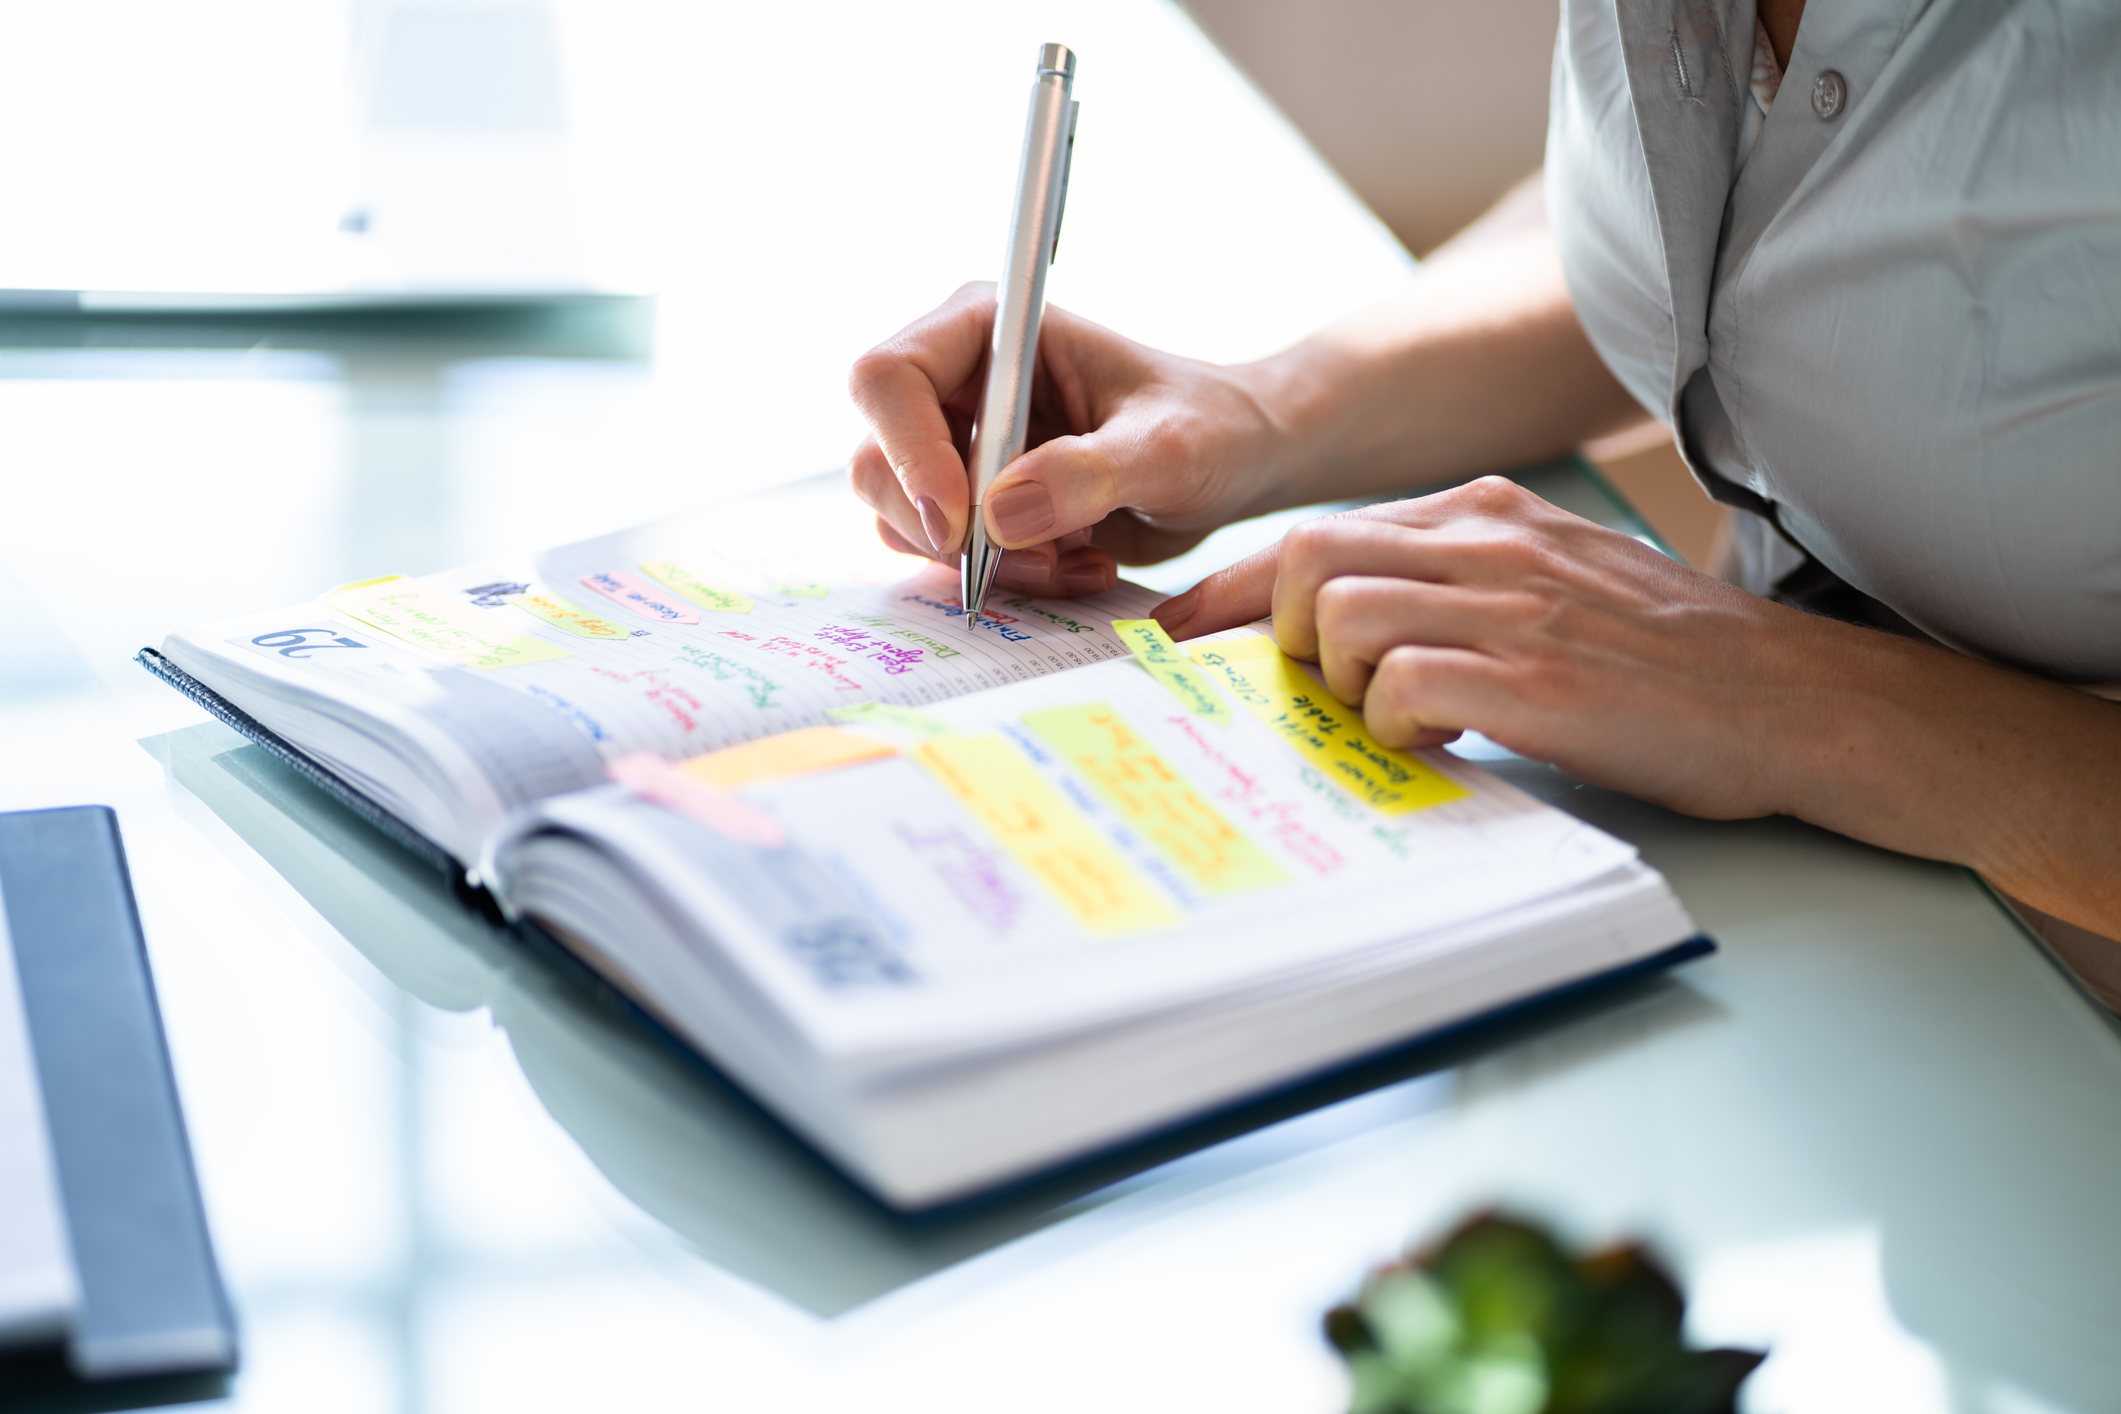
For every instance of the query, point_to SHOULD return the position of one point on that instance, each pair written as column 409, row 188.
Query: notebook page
column 664, row 639
column 1058, row 847
column 786, row 610
column 678, row 637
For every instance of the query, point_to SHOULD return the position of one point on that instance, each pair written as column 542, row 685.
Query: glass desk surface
column 1878, row 1132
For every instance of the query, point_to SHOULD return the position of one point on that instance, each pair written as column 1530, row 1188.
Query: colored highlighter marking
column 1330, row 736
column 643, row 599
column 550, row 607
column 798, row 753
column 1042, row 831
column 889, row 714
column 1134, row 779
column 699, row 591
column 433, row 623
column 729, row 815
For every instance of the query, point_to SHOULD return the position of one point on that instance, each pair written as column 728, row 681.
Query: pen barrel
column 999, row 430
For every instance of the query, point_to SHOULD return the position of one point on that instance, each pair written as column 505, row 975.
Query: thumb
column 1068, row 484
column 1240, row 594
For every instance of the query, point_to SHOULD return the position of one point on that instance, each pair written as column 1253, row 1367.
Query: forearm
column 1480, row 365
column 1920, row 749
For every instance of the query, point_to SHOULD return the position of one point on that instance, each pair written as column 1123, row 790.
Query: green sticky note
column 1162, row 659
column 887, row 714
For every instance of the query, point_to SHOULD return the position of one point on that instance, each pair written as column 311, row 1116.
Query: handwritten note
column 1331, row 737
column 623, row 589
column 1030, row 818
column 796, row 753
column 699, row 591
column 910, row 720
column 431, row 622
column 757, row 688
column 1067, row 623
column 1003, row 625
column 1163, row 660
column 550, row 607
column 1130, row 776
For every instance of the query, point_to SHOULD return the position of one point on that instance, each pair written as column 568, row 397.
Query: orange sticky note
column 653, row 778
column 797, row 753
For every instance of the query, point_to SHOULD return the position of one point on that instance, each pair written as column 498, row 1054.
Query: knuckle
column 1336, row 607
column 1397, row 680
column 1307, row 545
column 876, row 364
column 972, row 292
column 1090, row 466
column 1494, row 493
column 1388, row 717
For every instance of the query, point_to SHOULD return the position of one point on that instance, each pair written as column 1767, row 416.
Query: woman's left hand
column 1485, row 608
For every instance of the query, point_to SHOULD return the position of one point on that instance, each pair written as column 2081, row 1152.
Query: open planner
column 957, row 898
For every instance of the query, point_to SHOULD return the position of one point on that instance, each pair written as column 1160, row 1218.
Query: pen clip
column 1067, row 166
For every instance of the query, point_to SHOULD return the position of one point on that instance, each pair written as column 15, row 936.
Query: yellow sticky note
column 1154, row 650
column 1147, row 791
column 890, row 714
column 544, row 604
column 434, row 623
column 796, row 753
column 699, row 591
column 1331, row 737
column 1030, row 818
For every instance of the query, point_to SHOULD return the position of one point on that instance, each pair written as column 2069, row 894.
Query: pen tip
column 976, row 574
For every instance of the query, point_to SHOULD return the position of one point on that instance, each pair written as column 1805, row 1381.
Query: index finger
column 900, row 387
column 1237, row 595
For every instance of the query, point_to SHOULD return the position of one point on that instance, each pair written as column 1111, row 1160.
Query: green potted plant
column 1499, row 1318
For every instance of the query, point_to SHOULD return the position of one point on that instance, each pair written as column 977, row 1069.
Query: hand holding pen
column 1134, row 455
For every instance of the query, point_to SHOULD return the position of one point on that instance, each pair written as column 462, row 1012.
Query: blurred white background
column 792, row 182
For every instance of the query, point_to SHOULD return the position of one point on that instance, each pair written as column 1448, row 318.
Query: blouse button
column 1830, row 93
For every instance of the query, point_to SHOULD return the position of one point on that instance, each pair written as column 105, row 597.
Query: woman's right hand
column 1133, row 455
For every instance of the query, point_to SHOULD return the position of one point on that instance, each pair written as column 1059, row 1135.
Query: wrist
column 1830, row 690
column 1302, row 397
column 1872, row 735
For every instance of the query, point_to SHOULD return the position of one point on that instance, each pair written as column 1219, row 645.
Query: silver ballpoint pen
column 998, row 429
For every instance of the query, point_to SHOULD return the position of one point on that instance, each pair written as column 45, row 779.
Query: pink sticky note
column 727, row 814
column 641, row 597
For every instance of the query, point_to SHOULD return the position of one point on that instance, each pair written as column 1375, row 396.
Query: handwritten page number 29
column 301, row 642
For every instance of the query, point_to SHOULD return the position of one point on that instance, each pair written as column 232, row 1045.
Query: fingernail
column 1035, row 563
column 1022, row 512
column 1174, row 612
column 935, row 523
column 1085, row 579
